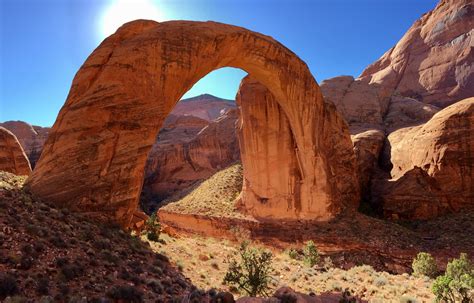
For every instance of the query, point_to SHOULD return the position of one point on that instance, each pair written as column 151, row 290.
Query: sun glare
column 122, row 11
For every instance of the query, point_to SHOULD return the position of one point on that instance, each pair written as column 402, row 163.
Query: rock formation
column 429, row 69
column 31, row 137
column 267, row 146
column 433, row 165
column 433, row 60
column 188, row 150
column 95, row 155
column 12, row 157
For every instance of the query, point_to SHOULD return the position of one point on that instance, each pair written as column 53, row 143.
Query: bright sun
column 122, row 11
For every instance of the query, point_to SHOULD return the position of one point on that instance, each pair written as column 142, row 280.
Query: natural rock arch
column 94, row 158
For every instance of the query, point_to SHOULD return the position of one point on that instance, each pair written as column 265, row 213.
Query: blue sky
column 44, row 42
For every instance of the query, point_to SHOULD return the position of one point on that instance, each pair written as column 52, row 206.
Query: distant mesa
column 206, row 106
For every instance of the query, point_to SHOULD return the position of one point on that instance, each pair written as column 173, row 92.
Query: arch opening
column 198, row 139
column 95, row 155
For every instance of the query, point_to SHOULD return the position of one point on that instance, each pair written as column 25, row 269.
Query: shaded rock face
column 273, row 184
column 207, row 107
column 433, row 60
column 188, row 150
column 12, row 157
column 433, row 164
column 95, row 155
column 31, row 138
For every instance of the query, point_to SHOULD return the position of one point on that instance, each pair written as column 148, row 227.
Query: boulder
column 432, row 165
column 12, row 157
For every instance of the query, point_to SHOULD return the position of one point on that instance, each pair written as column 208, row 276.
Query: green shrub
column 252, row 272
column 424, row 265
column 153, row 228
column 311, row 254
column 457, row 284
column 293, row 253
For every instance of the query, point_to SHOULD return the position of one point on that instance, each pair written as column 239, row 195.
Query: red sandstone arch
column 94, row 158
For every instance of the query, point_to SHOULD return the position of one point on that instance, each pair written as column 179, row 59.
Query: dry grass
column 204, row 261
column 214, row 197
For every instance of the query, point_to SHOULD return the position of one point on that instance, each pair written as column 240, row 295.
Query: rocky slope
column 12, row 157
column 50, row 254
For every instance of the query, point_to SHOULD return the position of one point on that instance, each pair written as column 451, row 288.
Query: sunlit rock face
column 429, row 69
column 433, row 60
column 12, row 157
column 95, row 155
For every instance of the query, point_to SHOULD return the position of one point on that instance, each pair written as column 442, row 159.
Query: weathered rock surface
column 432, row 165
column 207, row 107
column 356, row 99
column 12, row 157
column 95, row 155
column 367, row 146
column 31, row 137
column 267, row 146
column 433, row 62
column 189, row 150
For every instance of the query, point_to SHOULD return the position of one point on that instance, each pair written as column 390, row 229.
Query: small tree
column 252, row 272
column 153, row 228
column 457, row 284
column 311, row 254
column 424, row 265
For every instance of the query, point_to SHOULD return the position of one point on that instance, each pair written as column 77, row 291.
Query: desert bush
column 8, row 286
column 251, row 273
column 457, row 284
column 311, row 254
column 346, row 297
column 125, row 294
column 424, row 265
column 153, row 228
column 327, row 263
column 293, row 253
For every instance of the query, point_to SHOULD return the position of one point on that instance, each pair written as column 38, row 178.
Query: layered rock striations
column 12, row 157
column 95, row 155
